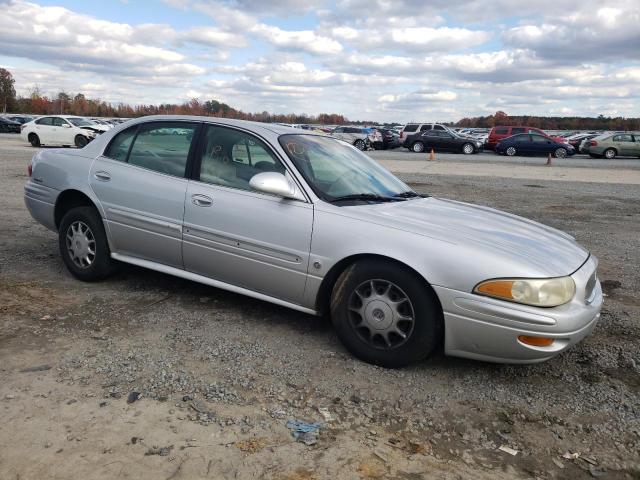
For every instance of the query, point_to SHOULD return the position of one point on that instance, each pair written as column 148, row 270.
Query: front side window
column 230, row 158
column 45, row 121
column 538, row 138
column 334, row 169
column 163, row 147
column 119, row 146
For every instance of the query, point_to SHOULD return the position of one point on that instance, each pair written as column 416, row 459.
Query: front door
column 141, row 185
column 239, row 236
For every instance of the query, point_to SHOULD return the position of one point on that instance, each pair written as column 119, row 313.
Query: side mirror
column 274, row 183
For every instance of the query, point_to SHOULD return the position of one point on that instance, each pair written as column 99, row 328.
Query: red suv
column 498, row 133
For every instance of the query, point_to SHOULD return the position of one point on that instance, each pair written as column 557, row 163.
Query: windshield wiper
column 366, row 196
column 407, row 194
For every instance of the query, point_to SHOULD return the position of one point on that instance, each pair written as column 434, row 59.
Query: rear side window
column 623, row 138
column 501, row 130
column 119, row 146
column 163, row 147
column 516, row 130
column 45, row 121
column 425, row 127
column 439, row 127
column 411, row 127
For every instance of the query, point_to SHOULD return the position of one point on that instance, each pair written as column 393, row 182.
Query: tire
column 359, row 144
column 511, row 151
column 417, row 147
column 34, row 140
column 94, row 266
column 388, row 349
column 468, row 149
column 610, row 153
column 560, row 153
column 80, row 141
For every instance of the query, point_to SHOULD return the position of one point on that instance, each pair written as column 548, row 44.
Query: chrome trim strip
column 209, row 281
column 143, row 218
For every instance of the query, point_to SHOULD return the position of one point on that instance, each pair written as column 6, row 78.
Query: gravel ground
column 150, row 376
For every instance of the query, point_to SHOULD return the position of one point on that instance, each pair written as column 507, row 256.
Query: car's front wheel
column 81, row 141
column 467, row 149
column 34, row 140
column 359, row 144
column 385, row 314
column 511, row 151
column 560, row 152
column 418, row 147
column 83, row 245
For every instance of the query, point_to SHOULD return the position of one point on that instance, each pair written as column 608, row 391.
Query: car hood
column 521, row 242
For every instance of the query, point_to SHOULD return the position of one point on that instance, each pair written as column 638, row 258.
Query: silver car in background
column 311, row 223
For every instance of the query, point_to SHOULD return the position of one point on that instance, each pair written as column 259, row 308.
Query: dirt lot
column 151, row 377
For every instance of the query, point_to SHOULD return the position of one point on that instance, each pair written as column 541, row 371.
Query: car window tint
column 231, row 158
column 425, row 127
column 538, row 138
column 339, row 130
column 119, row 146
column 163, row 147
column 439, row 127
column 58, row 122
column 516, row 130
column 45, row 121
column 501, row 131
column 411, row 127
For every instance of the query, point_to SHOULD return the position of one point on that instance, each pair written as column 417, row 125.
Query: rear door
column 141, row 185
column 43, row 128
column 625, row 144
column 237, row 235
column 636, row 146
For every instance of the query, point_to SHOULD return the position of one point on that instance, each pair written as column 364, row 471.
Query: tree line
column 38, row 104
column 552, row 123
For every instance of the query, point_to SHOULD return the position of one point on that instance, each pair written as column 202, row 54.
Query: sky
column 381, row 60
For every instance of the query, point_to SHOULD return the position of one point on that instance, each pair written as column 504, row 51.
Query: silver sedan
column 311, row 223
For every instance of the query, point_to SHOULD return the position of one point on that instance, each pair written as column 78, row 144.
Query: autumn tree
column 7, row 90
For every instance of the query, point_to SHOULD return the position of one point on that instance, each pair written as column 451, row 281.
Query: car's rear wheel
column 385, row 314
column 511, row 151
column 418, row 147
column 81, row 141
column 560, row 152
column 467, row 149
column 84, row 246
column 34, row 140
column 610, row 153
column 359, row 144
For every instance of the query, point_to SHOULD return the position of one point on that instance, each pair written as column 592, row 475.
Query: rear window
column 501, row 130
column 411, row 127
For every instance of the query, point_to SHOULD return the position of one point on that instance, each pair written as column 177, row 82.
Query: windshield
column 79, row 122
column 335, row 169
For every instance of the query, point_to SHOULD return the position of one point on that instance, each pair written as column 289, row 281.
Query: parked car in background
column 60, row 130
column 9, row 126
column 498, row 133
column 441, row 140
column 388, row 139
column 102, row 124
column 614, row 145
column 19, row 118
column 412, row 128
column 533, row 144
column 357, row 136
column 576, row 140
column 306, row 222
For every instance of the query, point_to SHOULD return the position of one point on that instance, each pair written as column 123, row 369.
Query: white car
column 60, row 130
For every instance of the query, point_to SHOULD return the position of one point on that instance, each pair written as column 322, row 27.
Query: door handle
column 102, row 176
column 201, row 200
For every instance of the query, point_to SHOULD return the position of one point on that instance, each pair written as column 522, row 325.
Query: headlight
column 549, row 292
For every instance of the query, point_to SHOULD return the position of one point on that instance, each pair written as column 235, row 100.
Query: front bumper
column 487, row 329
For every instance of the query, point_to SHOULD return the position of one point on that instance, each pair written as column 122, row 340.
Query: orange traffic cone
column 549, row 160
column 432, row 156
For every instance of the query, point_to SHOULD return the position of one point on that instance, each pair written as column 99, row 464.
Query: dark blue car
column 532, row 144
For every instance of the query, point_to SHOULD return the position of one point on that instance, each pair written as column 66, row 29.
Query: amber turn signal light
column 536, row 341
